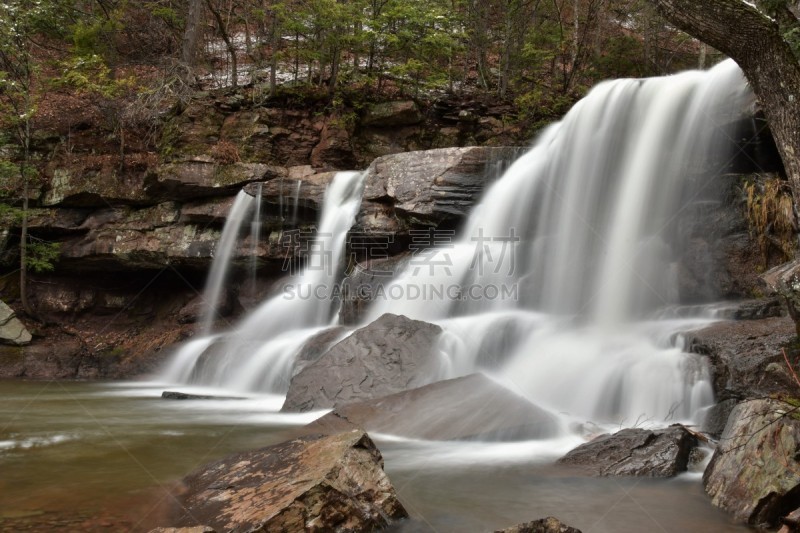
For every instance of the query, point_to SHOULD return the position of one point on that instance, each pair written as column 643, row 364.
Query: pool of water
column 105, row 457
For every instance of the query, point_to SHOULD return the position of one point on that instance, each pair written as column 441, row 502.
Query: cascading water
column 558, row 268
column 255, row 237
column 258, row 353
column 222, row 259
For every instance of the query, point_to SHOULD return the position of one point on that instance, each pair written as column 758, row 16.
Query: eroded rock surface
column 315, row 483
column 471, row 407
column 754, row 473
column 392, row 354
column 635, row 452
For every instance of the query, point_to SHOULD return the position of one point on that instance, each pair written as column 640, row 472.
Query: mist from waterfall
column 555, row 284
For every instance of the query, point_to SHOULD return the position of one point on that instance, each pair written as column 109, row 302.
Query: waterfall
column 223, row 255
column 556, row 282
column 257, row 353
column 255, row 238
column 296, row 202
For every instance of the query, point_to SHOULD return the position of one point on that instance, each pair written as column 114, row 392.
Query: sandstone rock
column 335, row 148
column 754, row 309
column 429, row 187
column 390, row 355
column 543, row 525
column 754, row 473
column 468, row 408
column 94, row 181
column 282, row 191
column 333, row 483
column 316, row 346
column 746, row 356
column 361, row 285
column 390, row 114
column 717, row 417
column 635, row 452
column 202, row 177
column 12, row 331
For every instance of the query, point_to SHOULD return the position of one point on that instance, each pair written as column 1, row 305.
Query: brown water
column 103, row 457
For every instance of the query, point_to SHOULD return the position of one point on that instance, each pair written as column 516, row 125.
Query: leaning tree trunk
column 755, row 42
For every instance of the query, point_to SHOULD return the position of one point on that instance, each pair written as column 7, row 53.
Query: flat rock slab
column 755, row 473
column 543, row 525
column 635, row 452
column 12, row 331
column 468, row 408
column 315, row 483
column 390, row 355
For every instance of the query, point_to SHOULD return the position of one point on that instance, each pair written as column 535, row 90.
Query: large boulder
column 390, row 355
column 746, row 356
column 471, row 407
column 635, row 452
column 543, row 525
column 12, row 330
column 428, row 187
column 204, row 177
column 755, row 471
column 314, row 483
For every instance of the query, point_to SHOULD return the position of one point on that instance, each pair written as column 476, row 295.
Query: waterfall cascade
column 557, row 272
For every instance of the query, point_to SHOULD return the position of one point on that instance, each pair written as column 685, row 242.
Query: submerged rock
column 12, row 331
column 392, row 354
column 315, row 483
column 543, row 525
column 175, row 395
column 755, row 473
column 471, row 407
column 635, row 452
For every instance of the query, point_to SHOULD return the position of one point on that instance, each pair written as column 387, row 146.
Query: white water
column 258, row 353
column 255, row 237
column 222, row 259
column 571, row 253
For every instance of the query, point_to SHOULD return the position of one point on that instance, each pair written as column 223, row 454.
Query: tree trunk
column 189, row 45
column 223, row 31
column 23, row 237
column 754, row 41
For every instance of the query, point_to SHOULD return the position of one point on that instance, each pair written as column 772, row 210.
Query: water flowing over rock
column 470, row 408
column 543, row 525
column 337, row 484
column 12, row 331
column 746, row 357
column 635, row 452
column 390, row 355
column 754, row 473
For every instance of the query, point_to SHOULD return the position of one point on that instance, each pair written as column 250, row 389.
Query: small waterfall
column 255, row 238
column 223, row 254
column 296, row 202
column 257, row 353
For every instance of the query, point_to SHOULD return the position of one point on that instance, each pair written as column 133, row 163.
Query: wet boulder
column 635, row 452
column 543, row 525
column 390, row 355
column 746, row 356
column 314, row 483
column 473, row 407
column 784, row 280
column 755, row 473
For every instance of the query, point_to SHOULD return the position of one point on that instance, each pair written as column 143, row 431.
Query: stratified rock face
column 635, row 452
column 12, row 331
column 333, row 483
column 390, row 355
column 543, row 525
column 471, row 407
column 427, row 187
column 755, row 473
column 746, row 356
